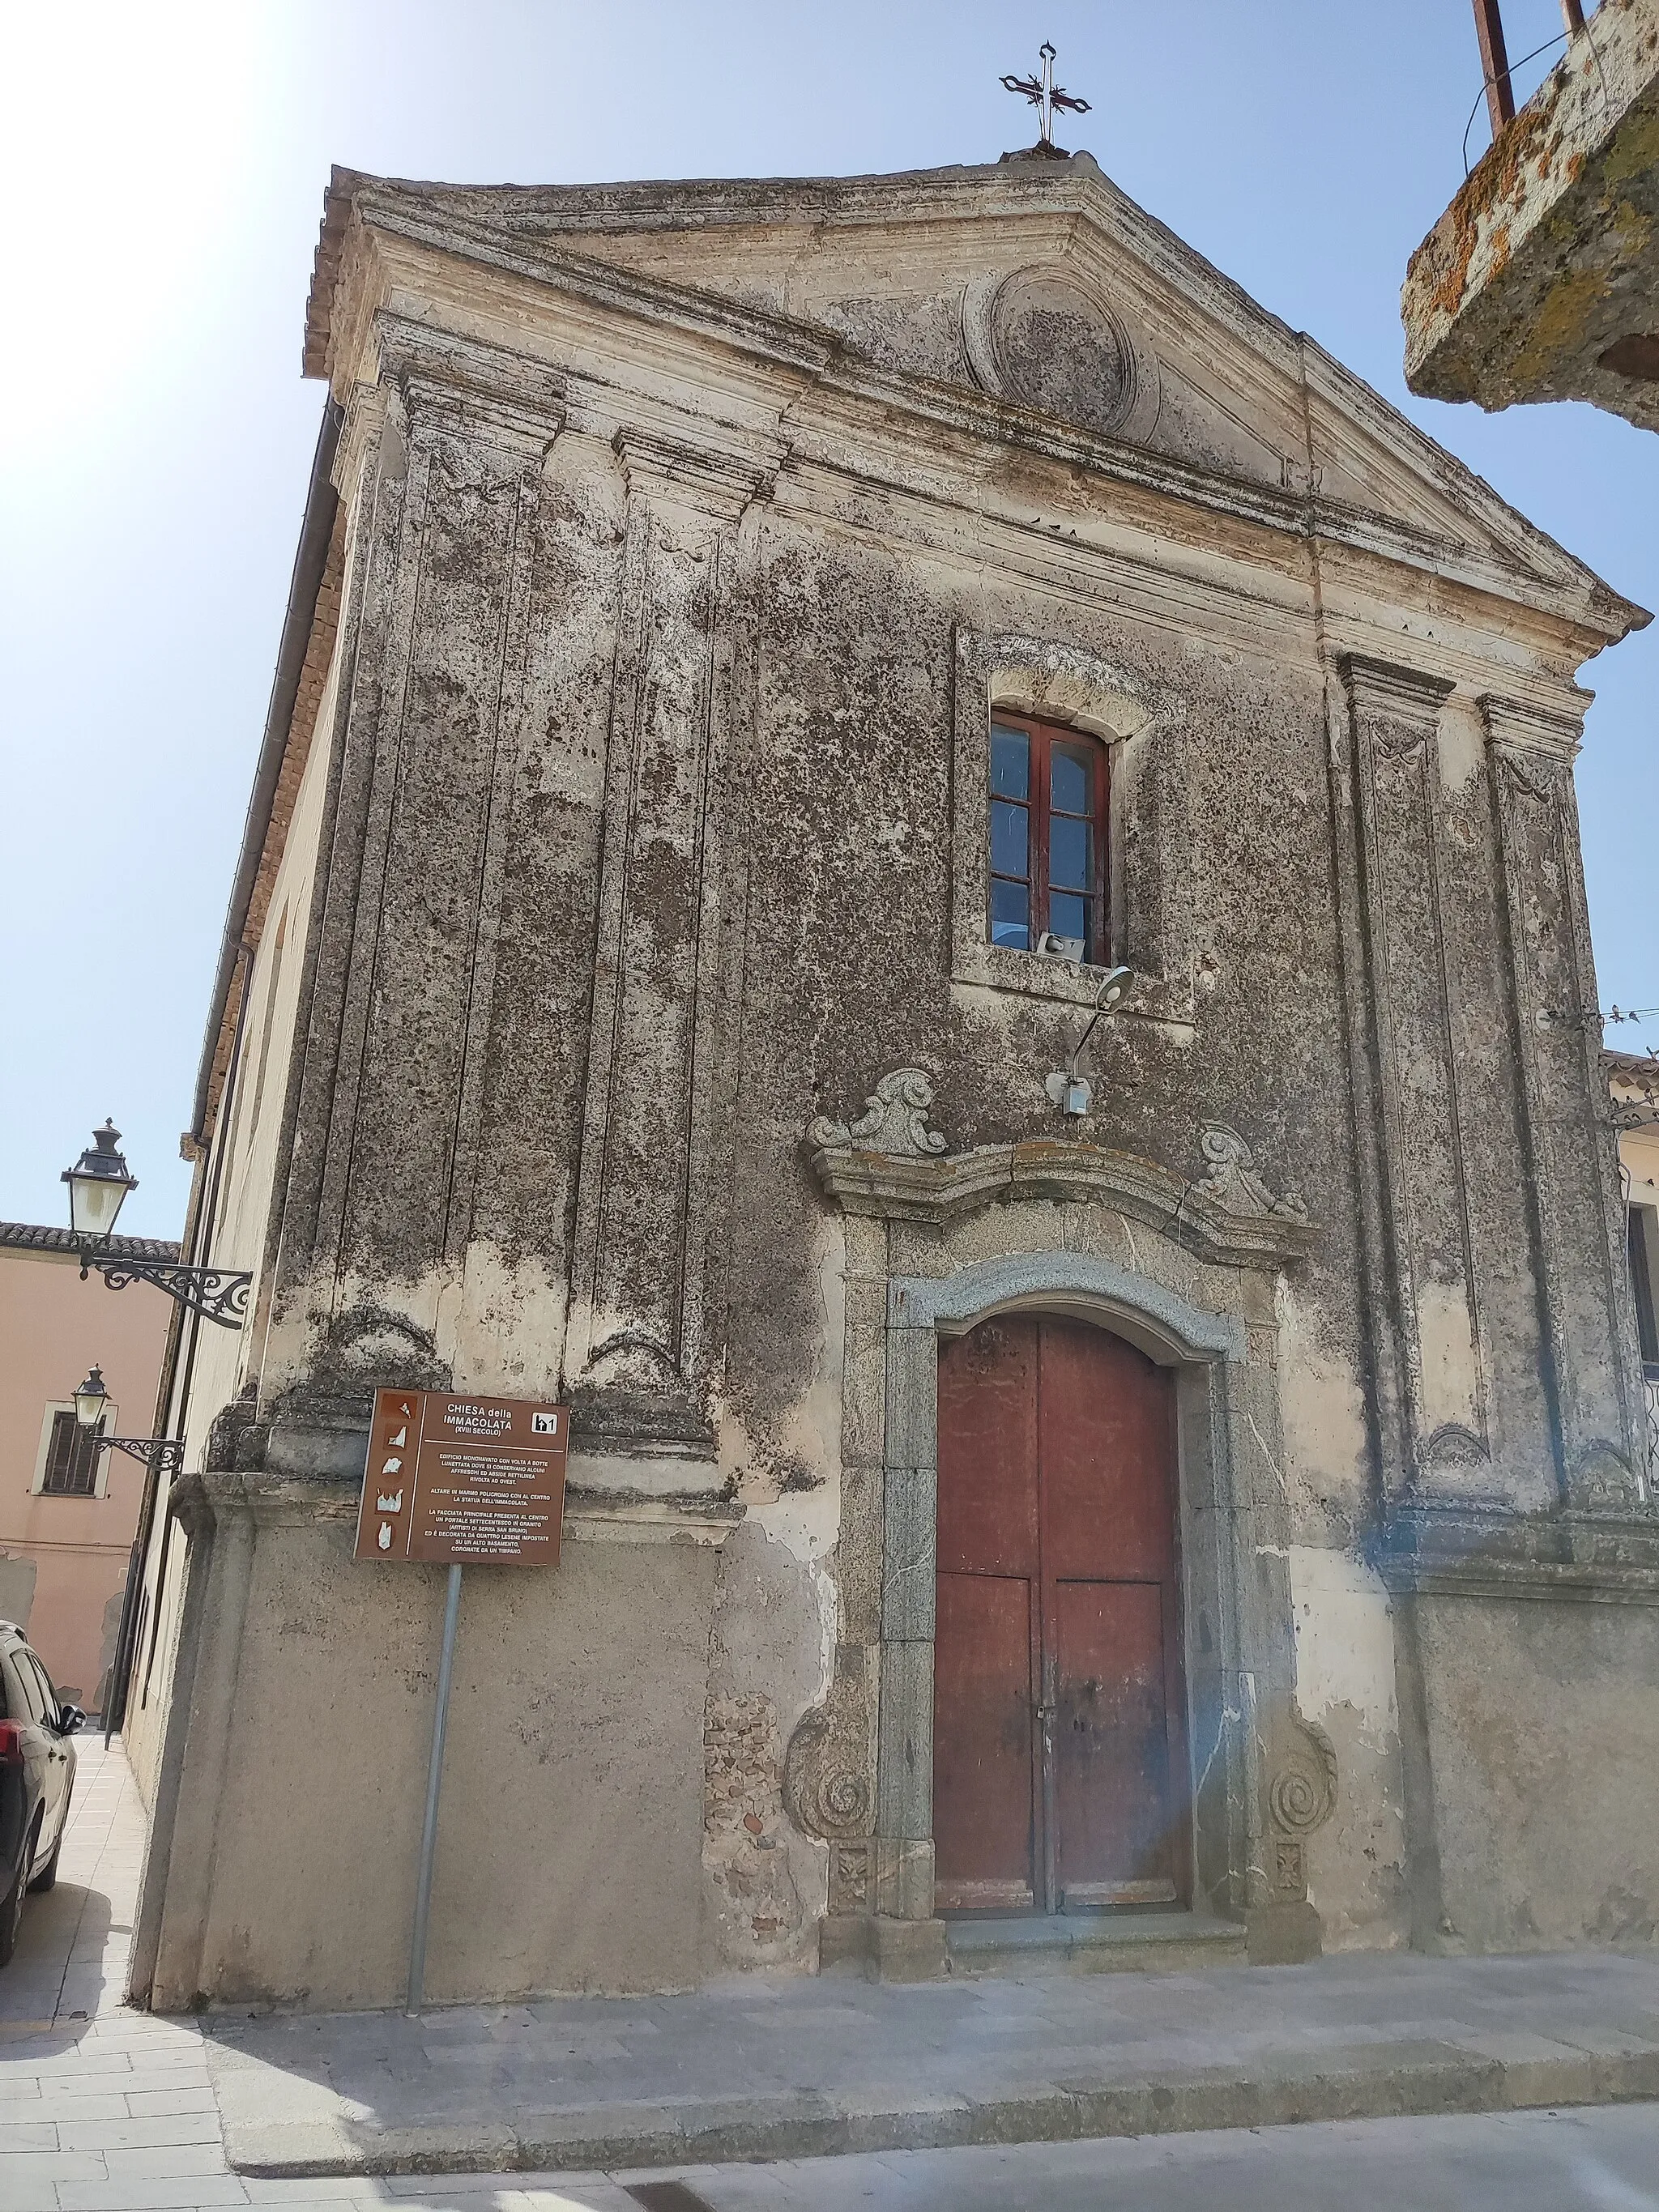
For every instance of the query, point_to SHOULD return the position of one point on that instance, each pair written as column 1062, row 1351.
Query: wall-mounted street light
column 99, row 1184
column 91, row 1398
column 1069, row 1091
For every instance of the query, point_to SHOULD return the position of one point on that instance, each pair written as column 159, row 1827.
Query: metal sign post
column 450, row 1480
column 434, row 1776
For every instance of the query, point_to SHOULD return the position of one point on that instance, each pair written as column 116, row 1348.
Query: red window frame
column 1042, row 738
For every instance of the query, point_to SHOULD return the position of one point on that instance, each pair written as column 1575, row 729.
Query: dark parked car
column 37, row 1773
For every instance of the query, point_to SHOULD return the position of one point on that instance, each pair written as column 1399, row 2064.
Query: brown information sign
column 462, row 1480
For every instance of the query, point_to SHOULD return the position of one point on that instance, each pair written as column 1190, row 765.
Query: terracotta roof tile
column 34, row 1236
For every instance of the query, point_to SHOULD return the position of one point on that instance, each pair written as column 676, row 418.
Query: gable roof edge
column 1607, row 608
column 1565, row 587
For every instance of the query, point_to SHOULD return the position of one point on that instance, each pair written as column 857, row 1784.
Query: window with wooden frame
column 1640, row 1223
column 1049, row 791
column 71, row 1469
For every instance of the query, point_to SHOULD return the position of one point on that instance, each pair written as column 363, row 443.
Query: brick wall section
column 744, row 1835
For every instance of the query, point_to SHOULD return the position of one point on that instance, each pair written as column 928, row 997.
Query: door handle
column 1046, row 1701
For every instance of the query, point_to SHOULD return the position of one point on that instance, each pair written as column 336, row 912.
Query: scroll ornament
column 1301, row 1797
column 894, row 1121
column 1231, row 1179
column 828, row 1783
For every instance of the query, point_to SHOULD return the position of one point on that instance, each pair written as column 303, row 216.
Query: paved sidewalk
column 105, row 2109
column 71, row 1953
column 790, row 2067
column 100, row 2108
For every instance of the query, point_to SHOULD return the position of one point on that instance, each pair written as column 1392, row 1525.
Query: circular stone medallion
column 1057, row 350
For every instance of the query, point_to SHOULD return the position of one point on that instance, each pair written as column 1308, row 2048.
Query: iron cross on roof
column 1045, row 96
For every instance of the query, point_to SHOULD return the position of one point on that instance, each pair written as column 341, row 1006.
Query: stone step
column 1094, row 1943
column 789, row 2065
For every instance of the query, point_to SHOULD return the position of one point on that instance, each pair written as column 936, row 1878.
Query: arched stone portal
column 918, row 1223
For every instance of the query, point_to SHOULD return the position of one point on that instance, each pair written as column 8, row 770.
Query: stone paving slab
column 105, row 2109
column 91, row 2092
column 783, row 2066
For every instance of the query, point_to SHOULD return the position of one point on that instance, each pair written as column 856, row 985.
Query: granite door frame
column 1238, row 1633
column 935, row 1241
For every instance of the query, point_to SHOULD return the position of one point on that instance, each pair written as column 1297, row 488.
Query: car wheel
column 47, row 1874
column 11, row 1906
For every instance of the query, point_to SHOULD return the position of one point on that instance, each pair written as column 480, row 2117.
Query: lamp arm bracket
column 1112, row 989
column 165, row 1452
column 220, row 1294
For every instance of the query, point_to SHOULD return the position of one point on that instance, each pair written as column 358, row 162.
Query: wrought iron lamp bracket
column 220, row 1294
column 167, row 1453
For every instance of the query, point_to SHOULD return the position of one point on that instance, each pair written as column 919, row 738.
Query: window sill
column 1035, row 976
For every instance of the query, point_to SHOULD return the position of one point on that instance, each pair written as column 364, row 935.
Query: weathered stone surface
column 317, row 1913
column 908, row 1574
column 637, row 1041
column 1542, row 279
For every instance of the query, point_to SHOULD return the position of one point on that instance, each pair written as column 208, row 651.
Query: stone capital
column 714, row 480
column 1392, row 693
column 447, row 382
column 1519, row 730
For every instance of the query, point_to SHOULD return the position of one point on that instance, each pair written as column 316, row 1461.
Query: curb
column 1378, row 2081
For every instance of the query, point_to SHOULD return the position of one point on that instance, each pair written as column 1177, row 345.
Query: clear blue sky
column 165, row 170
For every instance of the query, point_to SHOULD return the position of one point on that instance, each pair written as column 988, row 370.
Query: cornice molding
column 1214, row 1221
column 1446, row 1548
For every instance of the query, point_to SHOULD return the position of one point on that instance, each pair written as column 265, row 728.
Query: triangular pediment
column 1038, row 283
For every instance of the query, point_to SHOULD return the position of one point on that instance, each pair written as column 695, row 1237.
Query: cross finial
column 1045, row 96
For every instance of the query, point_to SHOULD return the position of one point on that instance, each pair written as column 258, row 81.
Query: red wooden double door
column 1059, row 1767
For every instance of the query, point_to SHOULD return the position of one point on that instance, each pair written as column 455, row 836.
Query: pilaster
column 1576, row 1216
column 450, row 446
column 653, row 1131
column 1409, row 1114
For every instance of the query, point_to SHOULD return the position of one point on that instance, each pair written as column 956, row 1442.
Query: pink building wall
column 64, row 1560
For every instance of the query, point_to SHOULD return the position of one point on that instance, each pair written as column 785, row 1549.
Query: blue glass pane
column 1008, row 838
column 1009, row 916
column 1068, row 916
column 1011, row 764
column 1069, row 779
column 1068, row 854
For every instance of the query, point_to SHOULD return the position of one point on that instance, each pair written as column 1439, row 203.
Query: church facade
column 918, row 859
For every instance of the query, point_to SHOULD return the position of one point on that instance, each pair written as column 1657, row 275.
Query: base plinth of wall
column 1286, row 1935
column 883, row 1949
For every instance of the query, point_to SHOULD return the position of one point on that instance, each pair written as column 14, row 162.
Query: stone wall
column 647, row 844
column 1543, row 1746
column 573, row 1802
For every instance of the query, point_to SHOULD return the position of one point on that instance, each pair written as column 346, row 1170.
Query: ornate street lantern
column 99, row 1184
column 90, row 1398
